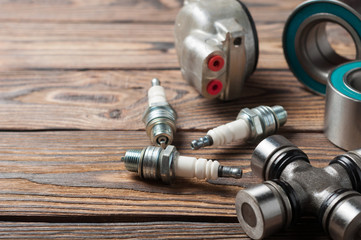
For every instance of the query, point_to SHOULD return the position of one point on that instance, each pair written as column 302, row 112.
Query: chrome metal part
column 231, row 172
column 263, row 120
column 159, row 118
column 202, row 142
column 343, row 106
column 259, row 123
column 217, row 46
column 166, row 164
column 263, row 210
column 294, row 188
column 305, row 40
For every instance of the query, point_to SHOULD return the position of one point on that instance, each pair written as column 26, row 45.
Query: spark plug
column 160, row 117
column 251, row 125
column 166, row 164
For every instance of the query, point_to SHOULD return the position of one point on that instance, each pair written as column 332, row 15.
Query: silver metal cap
column 265, row 151
column 345, row 220
column 263, row 210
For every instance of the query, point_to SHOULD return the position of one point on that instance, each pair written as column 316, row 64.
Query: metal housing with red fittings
column 217, row 46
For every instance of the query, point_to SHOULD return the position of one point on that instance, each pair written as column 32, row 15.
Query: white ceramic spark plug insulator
column 156, row 95
column 227, row 133
column 189, row 167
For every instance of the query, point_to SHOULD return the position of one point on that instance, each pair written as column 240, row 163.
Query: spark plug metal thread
column 251, row 125
column 159, row 117
column 166, row 164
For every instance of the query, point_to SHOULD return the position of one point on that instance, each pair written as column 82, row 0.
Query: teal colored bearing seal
column 338, row 78
column 339, row 10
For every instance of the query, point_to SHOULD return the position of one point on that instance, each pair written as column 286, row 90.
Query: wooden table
column 73, row 83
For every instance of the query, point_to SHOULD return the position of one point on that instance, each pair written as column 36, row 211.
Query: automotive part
column 166, row 164
column 217, row 46
column 294, row 188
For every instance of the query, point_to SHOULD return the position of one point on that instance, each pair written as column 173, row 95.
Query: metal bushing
column 343, row 106
column 306, row 47
column 263, row 121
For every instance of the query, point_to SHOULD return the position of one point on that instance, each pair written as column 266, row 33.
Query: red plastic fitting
column 216, row 63
column 214, row 87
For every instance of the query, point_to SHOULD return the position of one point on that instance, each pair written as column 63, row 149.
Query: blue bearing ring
column 341, row 79
column 307, row 50
column 343, row 106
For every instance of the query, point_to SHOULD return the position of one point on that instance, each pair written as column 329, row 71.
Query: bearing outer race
column 303, row 12
column 281, row 162
column 343, row 109
column 337, row 79
column 353, row 171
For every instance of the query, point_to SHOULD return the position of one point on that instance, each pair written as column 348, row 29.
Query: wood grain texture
column 116, row 100
column 73, row 81
column 34, row 46
column 148, row 230
column 150, row 11
column 83, row 35
column 67, row 173
column 75, row 35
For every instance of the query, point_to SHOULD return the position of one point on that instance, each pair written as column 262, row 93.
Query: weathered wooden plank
column 115, row 46
column 117, row 100
column 121, row 45
column 123, row 10
column 148, row 230
column 105, row 46
column 80, row 174
column 74, row 180
column 35, row 36
column 79, row 46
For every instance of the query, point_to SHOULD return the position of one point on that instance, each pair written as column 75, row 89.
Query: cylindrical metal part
column 342, row 218
column 263, row 121
column 160, row 124
column 233, row 172
column 132, row 159
column 308, row 52
column 272, row 155
column 151, row 157
column 152, row 162
column 343, row 106
column 351, row 162
column 263, row 210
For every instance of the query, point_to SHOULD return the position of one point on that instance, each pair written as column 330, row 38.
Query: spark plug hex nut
column 293, row 188
column 166, row 164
